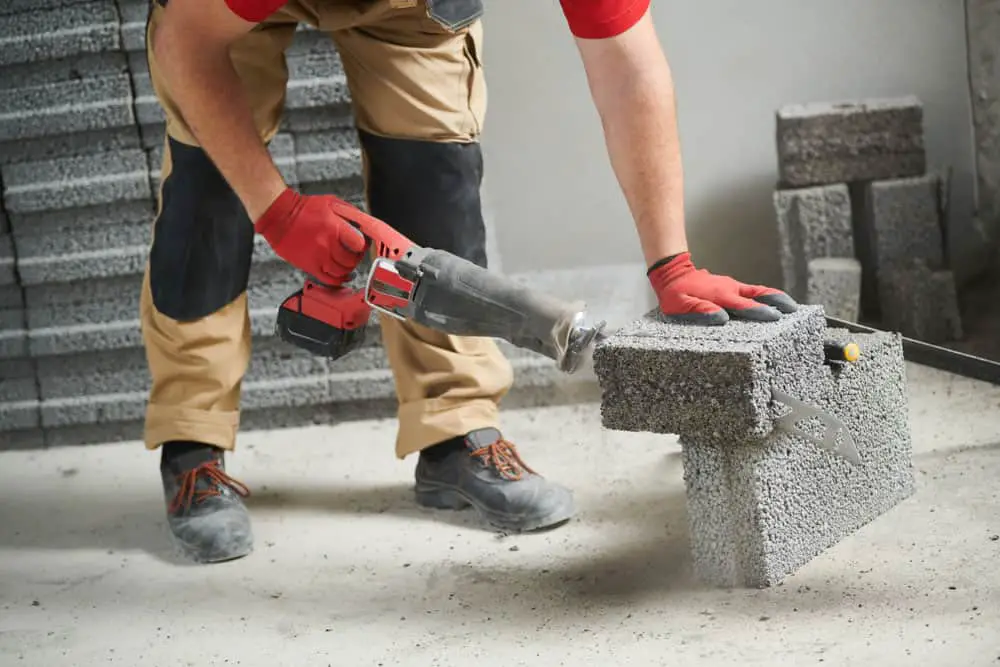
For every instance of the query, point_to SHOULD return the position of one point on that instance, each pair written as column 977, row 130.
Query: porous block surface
column 903, row 220
column 812, row 223
column 835, row 284
column 713, row 382
column 921, row 303
column 854, row 140
column 761, row 510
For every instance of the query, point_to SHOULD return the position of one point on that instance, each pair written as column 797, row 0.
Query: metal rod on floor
column 935, row 356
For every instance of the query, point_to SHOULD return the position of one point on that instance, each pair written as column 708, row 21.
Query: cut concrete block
column 762, row 499
column 835, row 284
column 829, row 142
column 69, row 30
column 66, row 107
column 328, row 156
column 8, row 262
column 812, row 223
column 921, row 303
column 75, row 182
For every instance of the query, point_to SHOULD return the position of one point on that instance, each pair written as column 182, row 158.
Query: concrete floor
column 348, row 572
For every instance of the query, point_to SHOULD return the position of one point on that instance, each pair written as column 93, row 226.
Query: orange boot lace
column 503, row 456
column 187, row 491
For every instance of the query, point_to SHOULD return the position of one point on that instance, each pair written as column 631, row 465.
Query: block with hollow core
column 751, row 403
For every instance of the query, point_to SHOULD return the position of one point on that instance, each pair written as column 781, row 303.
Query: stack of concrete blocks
column 861, row 219
column 81, row 143
column 762, row 500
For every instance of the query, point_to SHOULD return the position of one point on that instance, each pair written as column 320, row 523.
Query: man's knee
column 202, row 239
column 429, row 191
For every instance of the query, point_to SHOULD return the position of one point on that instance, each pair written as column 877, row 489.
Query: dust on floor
column 347, row 571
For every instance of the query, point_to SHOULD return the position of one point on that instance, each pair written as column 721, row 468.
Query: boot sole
column 446, row 498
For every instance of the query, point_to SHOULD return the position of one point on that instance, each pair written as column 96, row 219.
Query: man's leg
column 419, row 95
column 194, row 317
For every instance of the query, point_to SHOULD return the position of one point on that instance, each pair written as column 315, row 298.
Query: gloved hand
column 695, row 296
column 311, row 233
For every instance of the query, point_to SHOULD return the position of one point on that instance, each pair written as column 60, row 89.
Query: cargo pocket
column 455, row 15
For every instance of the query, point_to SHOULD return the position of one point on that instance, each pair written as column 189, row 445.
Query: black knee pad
column 429, row 192
column 202, row 239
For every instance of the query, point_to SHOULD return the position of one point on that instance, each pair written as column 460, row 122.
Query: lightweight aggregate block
column 762, row 508
column 35, row 231
column 8, row 7
column 78, row 67
column 835, row 284
column 19, row 415
column 78, row 28
column 11, row 298
column 17, row 381
column 66, row 107
column 24, row 439
column 82, row 144
column 74, row 182
column 83, row 303
column 857, row 140
column 147, row 107
column 921, row 303
column 316, row 81
column 320, row 119
column 711, row 382
column 328, row 156
column 309, row 41
column 13, row 335
column 8, row 263
column 812, row 223
column 134, row 14
column 70, row 339
column 902, row 221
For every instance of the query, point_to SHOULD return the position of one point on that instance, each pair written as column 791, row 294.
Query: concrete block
column 716, row 380
column 8, row 262
column 148, row 110
column 33, row 438
column 9, row 7
column 328, row 156
column 316, row 81
column 72, row 68
column 44, row 149
column 835, row 284
column 68, row 30
column 11, row 297
column 317, row 119
column 33, row 231
column 309, row 41
column 115, row 335
column 134, row 14
column 762, row 499
column 838, row 142
column 982, row 24
column 18, row 416
column 812, row 223
column 282, row 150
column 17, row 381
column 66, row 107
column 13, row 336
column 761, row 509
column 922, row 303
column 900, row 221
column 75, row 182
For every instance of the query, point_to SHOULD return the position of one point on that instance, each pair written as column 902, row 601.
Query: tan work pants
column 410, row 75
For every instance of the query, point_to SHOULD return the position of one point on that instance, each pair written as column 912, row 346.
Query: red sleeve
column 600, row 19
column 254, row 11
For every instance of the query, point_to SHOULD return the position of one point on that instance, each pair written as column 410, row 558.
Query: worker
column 414, row 69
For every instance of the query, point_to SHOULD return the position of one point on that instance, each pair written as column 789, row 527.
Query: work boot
column 484, row 471
column 205, row 510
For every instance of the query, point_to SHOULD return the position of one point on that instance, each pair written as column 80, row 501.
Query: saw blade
column 843, row 446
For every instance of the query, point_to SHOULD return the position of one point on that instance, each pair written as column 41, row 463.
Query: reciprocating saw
column 436, row 289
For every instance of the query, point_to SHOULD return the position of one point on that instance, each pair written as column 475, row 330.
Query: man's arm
column 632, row 87
column 191, row 47
column 633, row 91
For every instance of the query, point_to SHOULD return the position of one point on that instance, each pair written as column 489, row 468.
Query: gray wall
column 734, row 63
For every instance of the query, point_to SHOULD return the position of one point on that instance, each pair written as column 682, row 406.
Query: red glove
column 695, row 296
column 308, row 233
